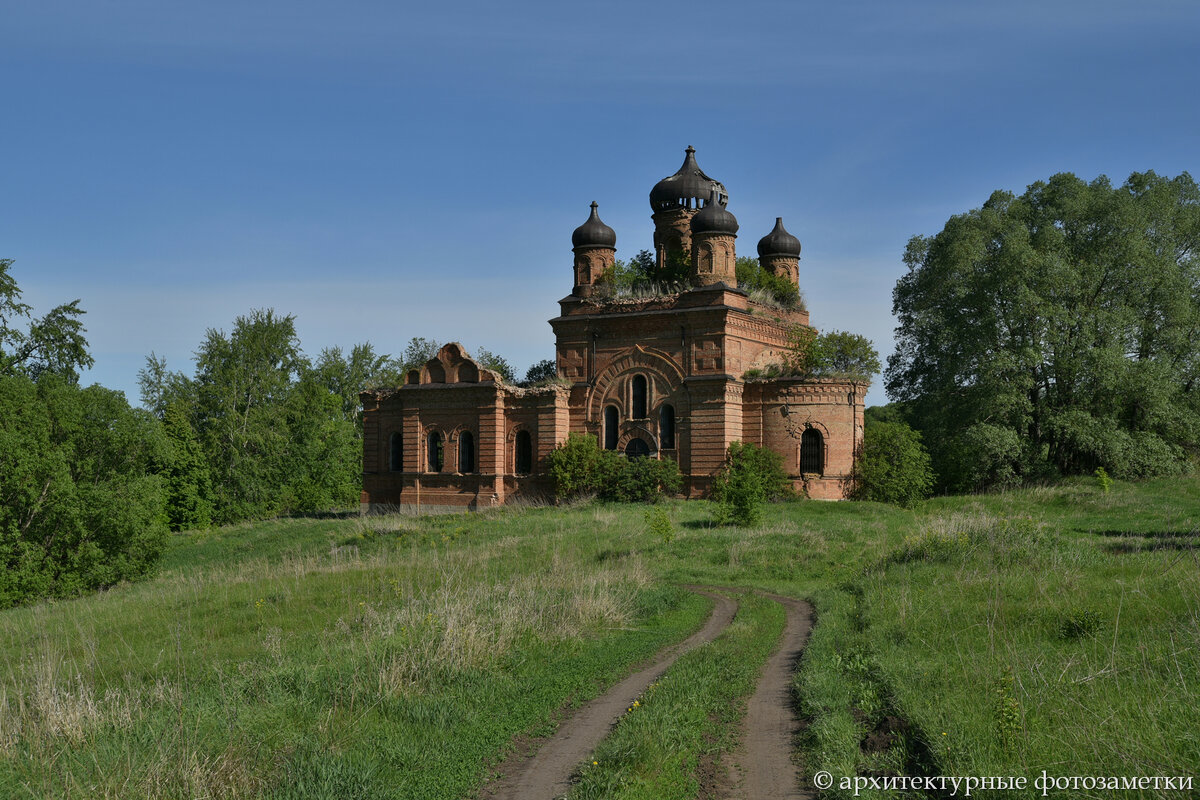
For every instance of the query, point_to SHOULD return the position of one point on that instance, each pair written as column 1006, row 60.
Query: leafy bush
column 575, row 466
column 659, row 524
column 638, row 480
column 893, row 466
column 750, row 476
column 579, row 467
column 984, row 456
column 752, row 276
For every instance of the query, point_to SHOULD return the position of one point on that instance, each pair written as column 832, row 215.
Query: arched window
column 466, row 452
column 523, row 453
column 639, row 396
column 637, row 448
column 396, row 452
column 433, row 451
column 812, row 452
column 666, row 427
column 610, row 428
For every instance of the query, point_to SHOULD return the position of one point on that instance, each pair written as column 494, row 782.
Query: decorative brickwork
column 668, row 370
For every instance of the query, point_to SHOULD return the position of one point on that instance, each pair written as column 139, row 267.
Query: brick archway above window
column 663, row 375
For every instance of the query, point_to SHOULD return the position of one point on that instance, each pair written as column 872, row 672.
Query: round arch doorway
column 637, row 448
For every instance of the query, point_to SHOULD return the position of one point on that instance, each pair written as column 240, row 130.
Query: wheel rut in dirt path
column 762, row 768
column 547, row 774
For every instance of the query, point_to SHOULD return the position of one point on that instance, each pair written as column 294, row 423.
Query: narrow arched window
column 523, row 453
column 433, row 451
column 666, row 427
column 466, row 452
column 611, row 427
column 396, row 452
column 639, row 396
column 812, row 452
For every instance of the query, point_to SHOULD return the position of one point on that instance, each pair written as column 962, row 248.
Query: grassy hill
column 1049, row 629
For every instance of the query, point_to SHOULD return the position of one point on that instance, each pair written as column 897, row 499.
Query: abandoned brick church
column 661, row 376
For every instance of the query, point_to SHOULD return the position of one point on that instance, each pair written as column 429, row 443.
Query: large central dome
column 687, row 188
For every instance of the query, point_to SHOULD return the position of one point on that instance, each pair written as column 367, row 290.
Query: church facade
column 670, row 375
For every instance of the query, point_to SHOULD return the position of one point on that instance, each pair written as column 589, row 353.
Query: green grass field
column 1051, row 629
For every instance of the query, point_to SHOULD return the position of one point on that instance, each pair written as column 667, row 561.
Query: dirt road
column 547, row 774
column 762, row 768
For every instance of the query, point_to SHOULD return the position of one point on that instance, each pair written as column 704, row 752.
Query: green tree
column 640, row 273
column 542, row 371
column 346, row 375
column 81, row 501
column 161, row 387
column 1054, row 333
column 243, row 382
column 677, row 271
column 834, row 354
column 323, row 451
column 893, row 466
column 417, row 352
column 277, row 432
column 489, row 360
column 188, row 484
column 53, row 344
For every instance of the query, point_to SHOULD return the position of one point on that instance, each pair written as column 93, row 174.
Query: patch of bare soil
column 546, row 774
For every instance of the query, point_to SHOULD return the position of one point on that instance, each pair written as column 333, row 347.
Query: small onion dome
column 714, row 218
column 779, row 242
column 594, row 233
column 687, row 185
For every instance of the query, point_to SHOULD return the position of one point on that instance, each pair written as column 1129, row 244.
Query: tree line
column 90, row 487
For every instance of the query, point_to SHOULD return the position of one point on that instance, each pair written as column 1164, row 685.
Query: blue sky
column 385, row 170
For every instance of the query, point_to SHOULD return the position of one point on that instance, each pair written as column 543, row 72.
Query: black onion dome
column 594, row 233
column 688, row 184
column 779, row 242
column 714, row 218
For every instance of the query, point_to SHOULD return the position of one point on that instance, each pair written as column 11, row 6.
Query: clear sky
column 384, row 170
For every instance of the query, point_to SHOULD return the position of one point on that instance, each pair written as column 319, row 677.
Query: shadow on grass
column 346, row 513
column 1144, row 541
